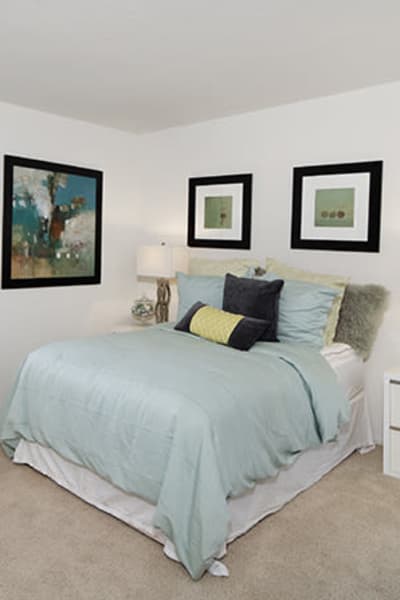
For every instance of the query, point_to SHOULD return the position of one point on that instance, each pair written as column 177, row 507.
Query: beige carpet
column 340, row 540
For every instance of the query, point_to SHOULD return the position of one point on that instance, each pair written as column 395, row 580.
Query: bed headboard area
column 359, row 309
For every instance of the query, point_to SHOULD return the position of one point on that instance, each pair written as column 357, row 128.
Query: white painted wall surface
column 145, row 199
column 363, row 125
column 31, row 317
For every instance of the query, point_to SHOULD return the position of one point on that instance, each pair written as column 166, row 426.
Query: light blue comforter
column 182, row 422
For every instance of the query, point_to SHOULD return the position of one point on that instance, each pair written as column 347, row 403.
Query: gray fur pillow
column 360, row 316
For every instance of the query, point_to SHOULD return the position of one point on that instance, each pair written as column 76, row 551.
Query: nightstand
column 129, row 327
column 391, row 423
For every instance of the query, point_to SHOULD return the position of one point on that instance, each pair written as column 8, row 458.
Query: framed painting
column 51, row 224
column 220, row 211
column 337, row 207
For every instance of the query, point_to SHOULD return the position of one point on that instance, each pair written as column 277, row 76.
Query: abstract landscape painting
column 51, row 225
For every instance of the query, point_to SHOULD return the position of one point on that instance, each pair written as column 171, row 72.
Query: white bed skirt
column 245, row 511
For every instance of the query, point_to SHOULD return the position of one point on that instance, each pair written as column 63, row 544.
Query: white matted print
column 337, row 207
column 219, row 213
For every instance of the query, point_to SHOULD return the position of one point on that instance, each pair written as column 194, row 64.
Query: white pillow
column 238, row 266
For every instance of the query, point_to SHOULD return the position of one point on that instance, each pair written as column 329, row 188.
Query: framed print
column 220, row 211
column 337, row 207
column 51, row 224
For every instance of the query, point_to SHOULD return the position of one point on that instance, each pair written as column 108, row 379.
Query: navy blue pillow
column 254, row 298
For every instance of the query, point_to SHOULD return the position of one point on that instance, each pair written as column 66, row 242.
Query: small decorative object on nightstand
column 391, row 423
column 143, row 310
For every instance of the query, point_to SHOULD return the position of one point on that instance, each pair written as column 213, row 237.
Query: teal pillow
column 199, row 288
column 303, row 310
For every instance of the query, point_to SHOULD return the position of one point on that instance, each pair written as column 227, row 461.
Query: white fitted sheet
column 245, row 511
column 348, row 366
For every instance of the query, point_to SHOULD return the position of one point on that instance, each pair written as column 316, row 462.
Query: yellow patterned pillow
column 221, row 326
column 333, row 281
column 205, row 266
column 214, row 324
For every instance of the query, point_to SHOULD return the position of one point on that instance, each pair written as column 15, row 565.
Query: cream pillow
column 333, row 281
column 205, row 266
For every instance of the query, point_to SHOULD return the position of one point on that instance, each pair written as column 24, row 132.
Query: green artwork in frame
column 218, row 212
column 51, row 224
column 334, row 207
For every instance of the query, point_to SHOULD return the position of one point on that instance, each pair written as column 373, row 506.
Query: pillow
column 236, row 331
column 336, row 282
column 254, row 298
column 205, row 266
column 303, row 311
column 361, row 314
column 193, row 288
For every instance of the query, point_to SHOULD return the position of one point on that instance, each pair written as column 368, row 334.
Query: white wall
column 30, row 317
column 145, row 198
column 363, row 125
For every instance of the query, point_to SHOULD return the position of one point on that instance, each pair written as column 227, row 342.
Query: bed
column 167, row 431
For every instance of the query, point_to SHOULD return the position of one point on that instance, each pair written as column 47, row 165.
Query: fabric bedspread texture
column 181, row 421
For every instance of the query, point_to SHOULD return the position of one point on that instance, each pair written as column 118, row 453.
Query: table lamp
column 161, row 262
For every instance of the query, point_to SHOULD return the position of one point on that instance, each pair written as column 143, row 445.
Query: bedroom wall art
column 51, row 224
column 337, row 207
column 220, row 211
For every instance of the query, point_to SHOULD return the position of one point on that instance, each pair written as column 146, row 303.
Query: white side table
column 391, row 423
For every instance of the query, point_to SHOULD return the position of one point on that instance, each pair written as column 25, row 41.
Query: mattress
column 245, row 511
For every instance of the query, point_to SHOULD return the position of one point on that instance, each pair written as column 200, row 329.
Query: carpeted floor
column 340, row 540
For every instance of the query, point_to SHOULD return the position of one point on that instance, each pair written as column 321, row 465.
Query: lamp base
column 163, row 299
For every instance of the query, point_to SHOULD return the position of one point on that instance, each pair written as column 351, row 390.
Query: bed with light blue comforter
column 180, row 421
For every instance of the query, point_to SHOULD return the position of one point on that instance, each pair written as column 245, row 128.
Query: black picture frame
column 238, row 236
column 41, row 200
column 369, row 204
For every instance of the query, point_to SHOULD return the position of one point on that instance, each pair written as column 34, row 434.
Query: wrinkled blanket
column 180, row 421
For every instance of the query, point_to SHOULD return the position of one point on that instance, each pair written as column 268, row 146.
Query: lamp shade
column 161, row 261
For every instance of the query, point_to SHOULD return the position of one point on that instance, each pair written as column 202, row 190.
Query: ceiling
column 143, row 65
